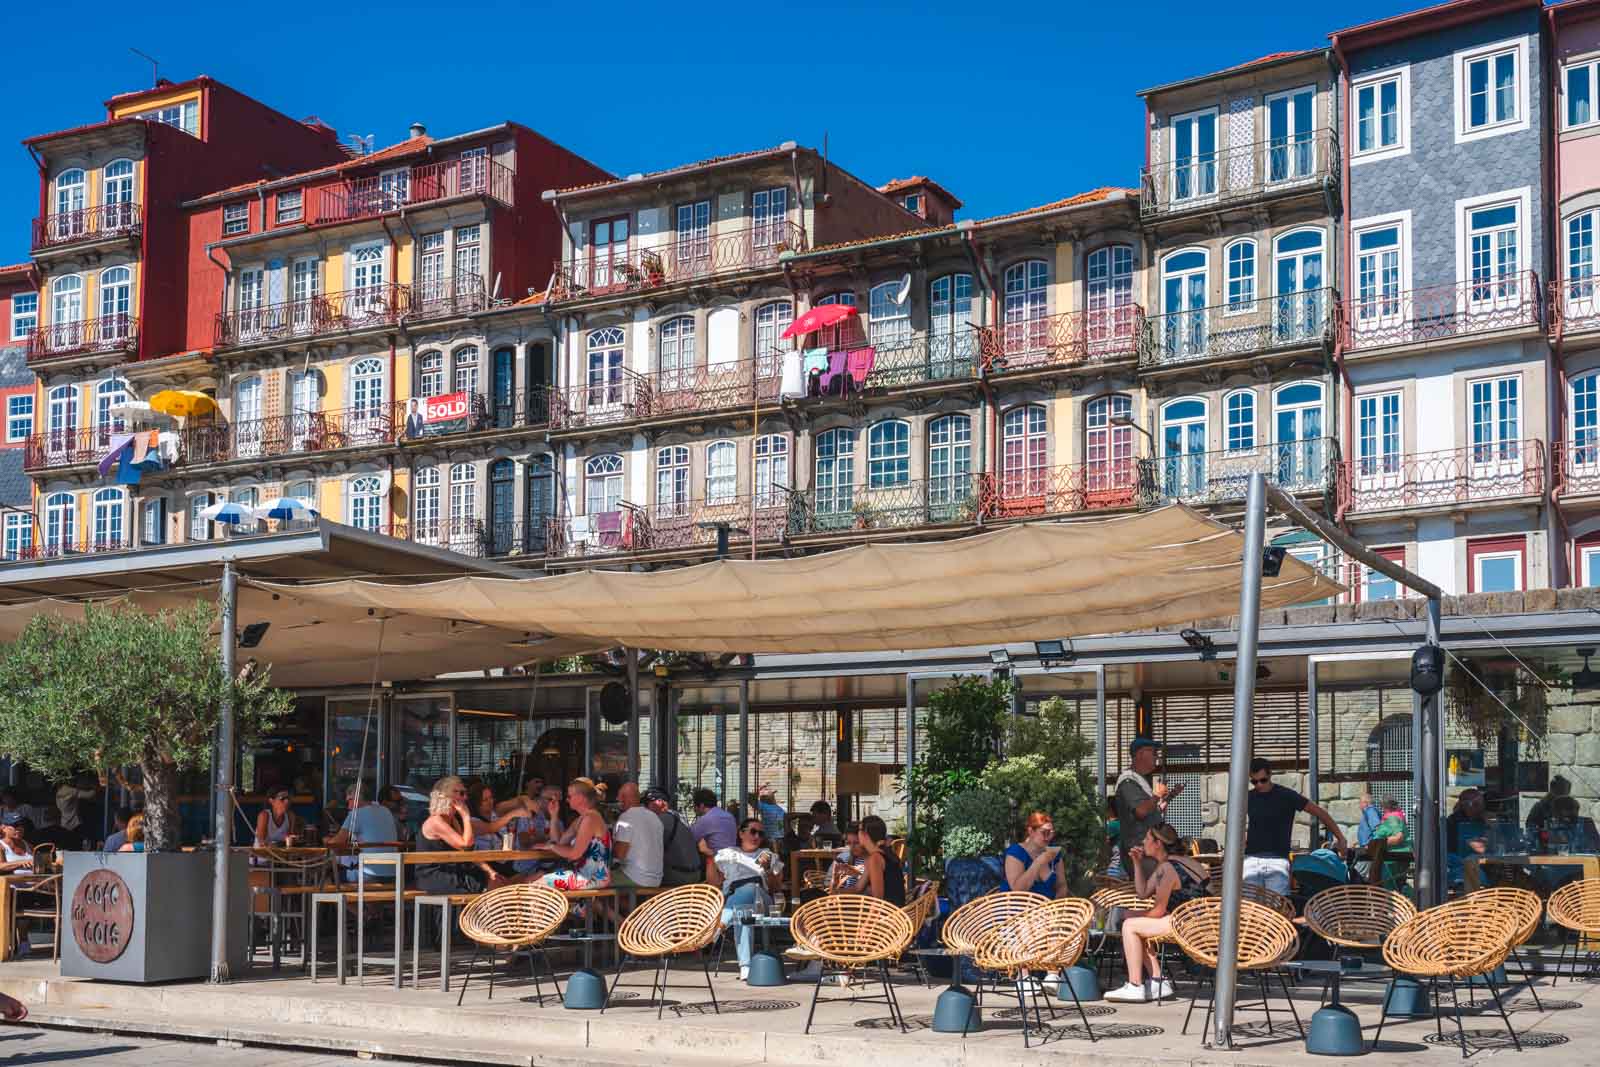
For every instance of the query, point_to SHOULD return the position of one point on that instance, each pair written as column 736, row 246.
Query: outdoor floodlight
column 1199, row 642
column 1000, row 657
column 1272, row 560
column 1053, row 652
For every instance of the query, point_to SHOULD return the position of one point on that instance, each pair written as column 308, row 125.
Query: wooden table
column 799, row 859
column 1472, row 866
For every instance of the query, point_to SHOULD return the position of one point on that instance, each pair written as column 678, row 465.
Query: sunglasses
column 1260, row 781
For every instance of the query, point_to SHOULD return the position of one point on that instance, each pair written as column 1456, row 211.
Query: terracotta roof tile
column 1102, row 193
column 1270, row 58
column 932, row 231
column 16, row 268
column 680, row 169
column 85, row 128
column 889, row 188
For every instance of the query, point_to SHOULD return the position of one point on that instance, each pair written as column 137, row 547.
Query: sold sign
column 444, row 408
column 102, row 915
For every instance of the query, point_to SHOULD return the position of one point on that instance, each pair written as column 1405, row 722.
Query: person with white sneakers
column 1177, row 879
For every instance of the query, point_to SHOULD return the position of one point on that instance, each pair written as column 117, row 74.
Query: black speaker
column 1427, row 670
column 614, row 703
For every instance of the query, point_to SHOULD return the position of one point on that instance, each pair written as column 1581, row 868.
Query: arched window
column 466, row 369
column 1584, row 404
column 71, row 198
column 60, row 522
column 365, row 502
column 116, row 303
column 369, row 405
column 1183, row 448
column 425, row 505
column 109, row 395
column 835, row 475
column 772, row 470
column 675, row 354
column 1183, row 305
column 952, row 342
column 605, row 368
column 722, row 473
column 771, row 320
column 888, row 454
column 62, row 417
column 889, row 305
column 117, row 183
column 1026, row 304
column 1300, row 306
column 1302, row 450
column 1241, row 287
column 672, row 480
column 1580, row 270
column 502, row 506
column 430, row 374
column 1024, row 452
column 1108, row 295
column 1108, row 450
column 949, row 460
column 602, row 484
column 463, row 500
column 1240, row 411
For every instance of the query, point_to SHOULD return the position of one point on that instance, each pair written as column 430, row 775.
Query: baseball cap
column 653, row 795
column 1142, row 742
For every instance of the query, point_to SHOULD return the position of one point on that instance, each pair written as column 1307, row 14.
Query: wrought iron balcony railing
column 1579, row 464
column 1574, row 305
column 1214, row 176
column 919, row 358
column 65, row 448
column 622, row 397
column 351, row 309
column 281, row 435
column 446, row 180
column 1062, row 340
column 592, row 273
column 1381, row 318
column 624, row 528
column 677, row 526
column 1496, row 470
column 86, row 224
column 1229, row 331
column 889, row 505
column 485, row 410
column 78, row 546
column 1219, row 477
column 701, row 389
column 84, row 337
column 1036, row 491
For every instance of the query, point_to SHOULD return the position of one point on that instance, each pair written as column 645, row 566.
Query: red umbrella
column 818, row 317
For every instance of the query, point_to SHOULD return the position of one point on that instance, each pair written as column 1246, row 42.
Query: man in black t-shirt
column 1266, row 845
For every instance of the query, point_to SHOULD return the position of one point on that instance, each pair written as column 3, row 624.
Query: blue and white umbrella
column 229, row 512
column 287, row 509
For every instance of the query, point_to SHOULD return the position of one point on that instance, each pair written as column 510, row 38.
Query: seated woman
column 1176, row 880
column 16, row 850
column 885, row 877
column 276, row 824
column 587, row 846
column 747, row 874
column 135, row 841
column 1394, row 834
column 1032, row 865
column 487, row 825
column 448, row 828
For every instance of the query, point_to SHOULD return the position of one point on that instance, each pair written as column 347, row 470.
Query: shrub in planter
column 983, row 815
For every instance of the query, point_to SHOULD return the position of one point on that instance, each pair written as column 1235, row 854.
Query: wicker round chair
column 510, row 919
column 1527, row 911
column 1357, row 916
column 1266, row 898
column 1048, row 937
column 674, row 923
column 975, row 919
column 1266, row 941
column 1575, row 907
column 1454, row 942
column 850, row 933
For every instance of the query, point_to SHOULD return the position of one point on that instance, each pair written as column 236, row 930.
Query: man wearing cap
column 683, row 865
column 1141, row 801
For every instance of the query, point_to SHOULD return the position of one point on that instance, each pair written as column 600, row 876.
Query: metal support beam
column 1312, row 747
column 1429, row 768
column 1293, row 509
column 633, row 712
column 222, row 793
column 1100, row 733
column 744, row 745
column 1244, row 691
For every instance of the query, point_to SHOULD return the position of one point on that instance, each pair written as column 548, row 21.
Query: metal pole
column 633, row 712
column 222, row 793
column 1244, row 691
column 719, row 753
column 744, row 744
column 1311, row 730
column 1430, row 802
column 1100, row 733
column 911, row 761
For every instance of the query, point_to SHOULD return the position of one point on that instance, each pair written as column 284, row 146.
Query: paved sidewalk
column 24, row 1045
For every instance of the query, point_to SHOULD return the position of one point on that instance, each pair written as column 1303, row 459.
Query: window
column 1378, row 586
column 469, row 254
column 844, row 334
column 675, row 354
column 1378, row 275
column 1580, row 264
column 608, row 250
column 1580, row 81
column 116, row 303
column 952, row 345
column 1382, row 105
column 949, row 459
column 1300, row 450
column 1194, row 155
column 672, row 480
column 18, row 535
column 474, row 169
column 200, row 528
column 1024, row 452
column 722, row 473
column 1292, row 150
column 1241, row 277
column 60, row 521
column 1108, row 446
column 771, row 320
column 605, row 368
column 368, row 401
column 249, row 432
column 889, row 306
column 19, row 417
column 71, row 199
column 153, row 521
column 1026, row 305
column 116, row 187
column 1588, row 559
column 888, row 454
column 62, row 415
column 430, row 374
column 769, row 210
column 305, row 285
column 835, row 475
column 912, row 202
column 1109, row 295
column 1183, row 305
column 430, row 266
column 365, row 502
column 367, row 268
column 772, row 470
column 1493, row 246
column 602, row 484
column 1299, row 306
column 1378, row 434
column 66, row 300
column 465, row 364
column 1496, row 565
column 235, row 219
column 394, row 188
column 24, row 315
column 183, row 116
column 108, row 396
column 252, row 293
column 1491, row 89
column 1496, row 420
column 1241, row 414
column 1585, row 407
column 290, row 206
column 463, row 499
column 693, row 232
column 425, row 505
column 1183, row 447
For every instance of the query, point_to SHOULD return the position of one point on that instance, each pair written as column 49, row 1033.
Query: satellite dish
column 614, row 703
column 905, row 288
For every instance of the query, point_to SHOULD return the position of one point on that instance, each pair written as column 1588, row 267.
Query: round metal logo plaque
column 102, row 915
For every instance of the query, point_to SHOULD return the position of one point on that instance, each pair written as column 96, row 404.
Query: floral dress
column 592, row 871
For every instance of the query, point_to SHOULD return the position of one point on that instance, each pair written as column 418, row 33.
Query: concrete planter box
column 146, row 916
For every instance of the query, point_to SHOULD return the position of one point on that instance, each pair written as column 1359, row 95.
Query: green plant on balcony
column 865, row 516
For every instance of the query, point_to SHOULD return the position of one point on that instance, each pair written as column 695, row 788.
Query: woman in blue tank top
column 1033, row 865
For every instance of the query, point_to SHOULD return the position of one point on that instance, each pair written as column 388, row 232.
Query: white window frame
column 1228, row 423
column 20, row 332
column 1402, row 220
column 912, row 202
column 672, row 480
column 1461, row 61
column 1243, row 306
column 1216, row 161
column 1375, row 80
column 1591, row 70
column 235, row 219
column 1523, row 198
column 18, row 542
column 1587, row 571
column 19, row 424
column 1290, row 145
column 1515, row 555
column 292, row 214
column 722, row 473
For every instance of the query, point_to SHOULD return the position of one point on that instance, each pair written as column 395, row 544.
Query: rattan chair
column 40, row 900
column 1257, row 894
column 512, row 918
column 1107, row 899
column 1048, row 937
column 1528, row 911
column 1357, row 916
column 851, row 933
column 1266, row 941
column 1575, row 907
column 680, row 921
column 1454, row 942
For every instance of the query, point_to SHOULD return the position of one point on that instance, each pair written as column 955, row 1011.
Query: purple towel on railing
column 119, row 443
column 833, row 378
column 608, row 528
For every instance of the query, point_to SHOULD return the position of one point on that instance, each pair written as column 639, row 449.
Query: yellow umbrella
column 182, row 403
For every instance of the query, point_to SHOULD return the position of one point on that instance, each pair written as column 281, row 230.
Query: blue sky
column 1007, row 106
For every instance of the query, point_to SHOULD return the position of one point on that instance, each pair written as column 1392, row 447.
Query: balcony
column 1065, row 490
column 78, row 547
column 485, row 411
column 1208, row 180
column 693, row 525
column 1452, row 477
column 353, row 309
column 922, row 358
column 1383, row 319
column 429, row 183
column 939, row 501
column 65, row 448
column 86, row 224
column 84, row 337
column 284, row 435
column 1574, row 306
column 624, row 529
column 1223, row 476
column 1062, row 340
column 1237, row 331
column 686, row 259
column 1579, row 463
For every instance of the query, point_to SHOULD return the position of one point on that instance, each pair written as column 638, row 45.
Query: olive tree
column 122, row 687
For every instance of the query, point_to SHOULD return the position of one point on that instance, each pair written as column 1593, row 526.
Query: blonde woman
column 589, row 852
column 448, row 828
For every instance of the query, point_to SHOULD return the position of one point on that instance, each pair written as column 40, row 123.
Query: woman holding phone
column 1033, row 865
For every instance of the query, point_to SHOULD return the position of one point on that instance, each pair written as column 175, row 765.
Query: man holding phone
column 1141, row 801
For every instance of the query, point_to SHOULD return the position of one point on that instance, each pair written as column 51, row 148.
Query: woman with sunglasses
column 448, row 828
column 277, row 824
column 748, row 875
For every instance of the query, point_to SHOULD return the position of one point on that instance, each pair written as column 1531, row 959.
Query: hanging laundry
column 792, row 383
column 120, row 443
column 127, row 473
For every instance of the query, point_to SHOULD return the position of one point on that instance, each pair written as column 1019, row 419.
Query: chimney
column 418, row 130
